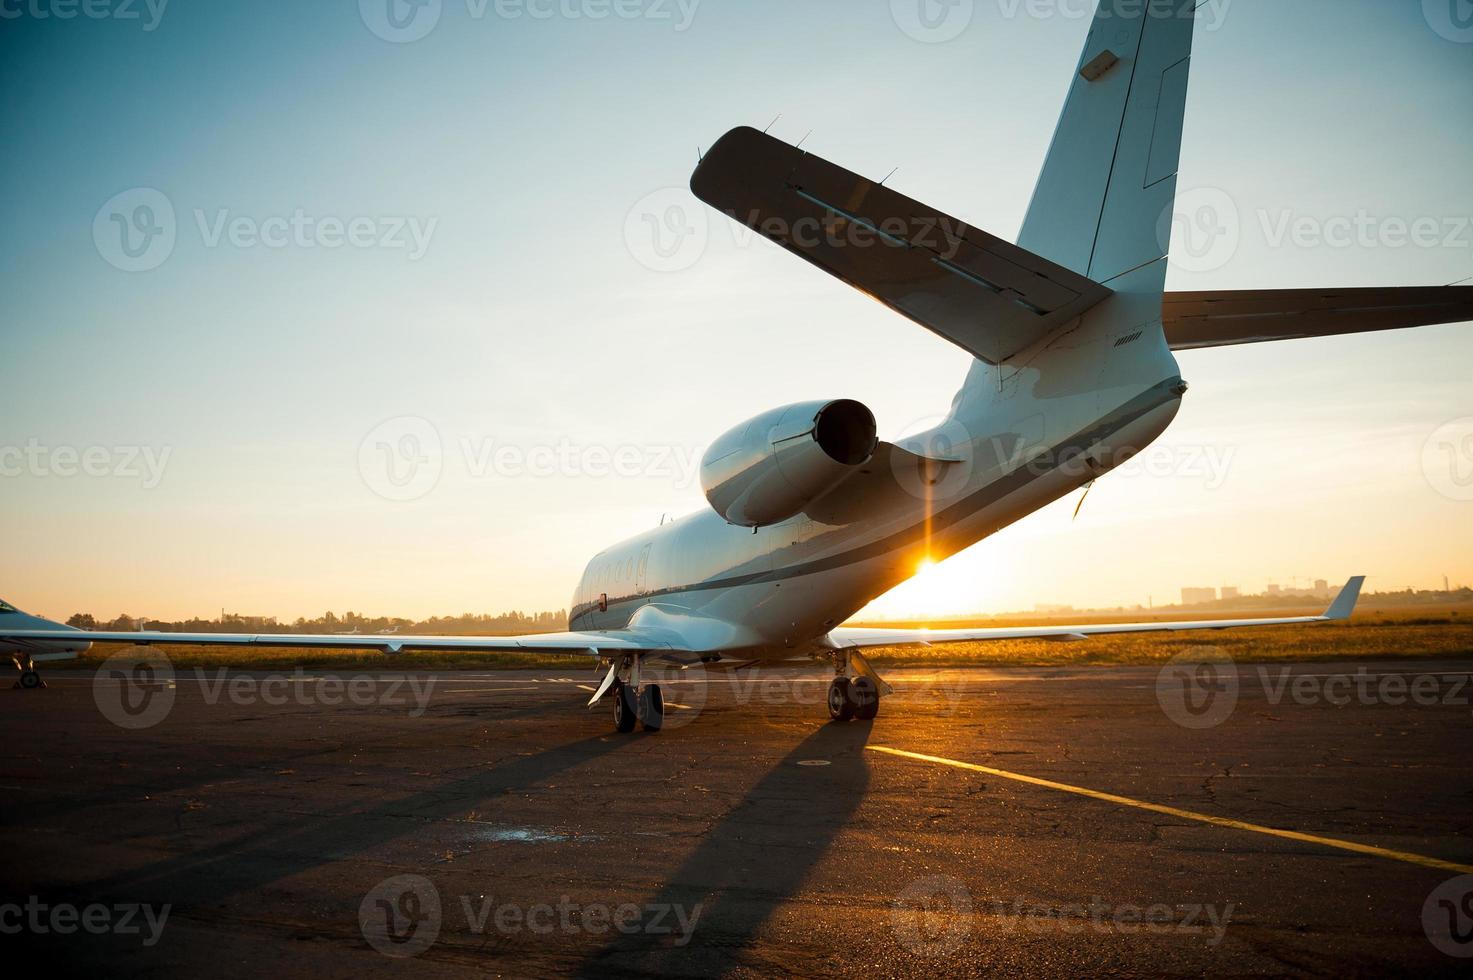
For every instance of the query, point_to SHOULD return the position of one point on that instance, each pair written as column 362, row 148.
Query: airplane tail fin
column 1110, row 175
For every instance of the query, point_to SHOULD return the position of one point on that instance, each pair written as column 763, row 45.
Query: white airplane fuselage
column 1024, row 437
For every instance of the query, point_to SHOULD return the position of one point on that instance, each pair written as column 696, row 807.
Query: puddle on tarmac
column 526, row 835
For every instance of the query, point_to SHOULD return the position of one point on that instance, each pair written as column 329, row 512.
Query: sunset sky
column 383, row 245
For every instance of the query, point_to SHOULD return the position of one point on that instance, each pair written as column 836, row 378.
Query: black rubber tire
column 626, row 712
column 652, row 708
column 866, row 698
column 841, row 700
column 30, row 680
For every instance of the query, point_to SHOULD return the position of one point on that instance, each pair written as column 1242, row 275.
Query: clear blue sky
column 519, row 147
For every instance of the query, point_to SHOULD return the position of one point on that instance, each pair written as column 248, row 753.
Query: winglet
column 1344, row 603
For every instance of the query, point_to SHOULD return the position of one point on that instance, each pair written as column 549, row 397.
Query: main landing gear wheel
column 651, row 708
column 29, row 678
column 851, row 698
column 841, row 699
column 866, row 698
column 626, row 712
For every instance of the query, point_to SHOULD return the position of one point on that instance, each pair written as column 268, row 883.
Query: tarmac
column 1123, row 820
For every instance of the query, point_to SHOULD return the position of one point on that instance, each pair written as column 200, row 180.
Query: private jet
column 1071, row 335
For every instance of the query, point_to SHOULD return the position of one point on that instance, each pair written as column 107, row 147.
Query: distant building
column 1194, row 597
column 1274, row 590
column 1321, row 587
column 1231, row 592
column 1048, row 609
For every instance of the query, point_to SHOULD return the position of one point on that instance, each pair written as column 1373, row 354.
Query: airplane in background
column 1071, row 334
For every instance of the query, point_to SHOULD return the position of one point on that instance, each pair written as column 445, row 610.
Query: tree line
column 484, row 624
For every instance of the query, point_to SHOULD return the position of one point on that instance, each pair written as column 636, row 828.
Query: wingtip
column 1344, row 603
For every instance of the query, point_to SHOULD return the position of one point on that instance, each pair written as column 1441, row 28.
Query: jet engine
column 769, row 469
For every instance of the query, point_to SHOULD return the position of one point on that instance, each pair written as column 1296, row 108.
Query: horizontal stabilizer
column 1250, row 316
column 986, row 295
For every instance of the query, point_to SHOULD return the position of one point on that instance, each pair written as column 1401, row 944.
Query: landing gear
column 30, row 678
column 626, row 711
column 634, row 703
column 852, row 697
column 841, row 704
column 866, row 698
column 651, row 708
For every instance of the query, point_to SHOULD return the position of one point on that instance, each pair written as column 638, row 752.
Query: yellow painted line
column 1171, row 811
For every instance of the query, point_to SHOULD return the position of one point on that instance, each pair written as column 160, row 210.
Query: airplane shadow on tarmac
column 756, row 858
column 211, row 875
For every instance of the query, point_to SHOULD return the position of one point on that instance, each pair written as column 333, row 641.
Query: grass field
column 1406, row 632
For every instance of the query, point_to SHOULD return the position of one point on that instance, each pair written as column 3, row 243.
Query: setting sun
column 937, row 591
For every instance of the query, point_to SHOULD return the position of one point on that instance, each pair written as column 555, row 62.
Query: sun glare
column 936, row 591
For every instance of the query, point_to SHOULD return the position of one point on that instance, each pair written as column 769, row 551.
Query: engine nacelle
column 767, row 470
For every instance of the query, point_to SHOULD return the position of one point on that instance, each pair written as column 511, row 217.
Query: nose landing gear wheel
column 841, row 700
column 651, row 708
column 625, row 710
column 30, row 680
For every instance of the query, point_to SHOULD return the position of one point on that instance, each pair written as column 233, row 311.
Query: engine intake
column 770, row 468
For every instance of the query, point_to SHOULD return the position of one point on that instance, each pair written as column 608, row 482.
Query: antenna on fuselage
column 774, row 121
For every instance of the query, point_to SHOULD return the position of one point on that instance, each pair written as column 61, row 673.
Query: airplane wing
column 987, row 296
column 590, row 644
column 1250, row 316
column 845, row 638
